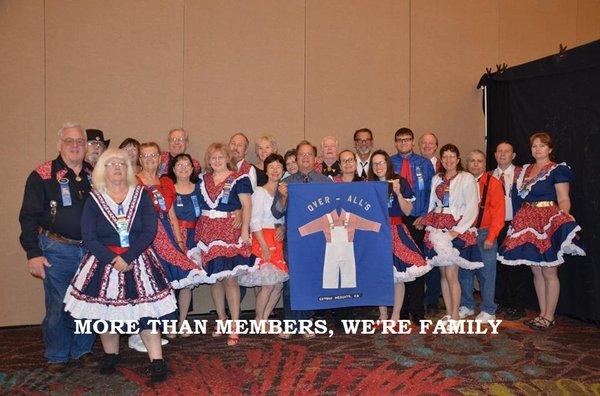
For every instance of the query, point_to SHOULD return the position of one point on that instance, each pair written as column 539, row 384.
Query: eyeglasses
column 182, row 165
column 130, row 148
column 115, row 164
column 306, row 155
column 217, row 158
column 404, row 140
column 177, row 140
column 348, row 161
column 95, row 143
column 73, row 142
column 380, row 163
column 149, row 155
column 363, row 141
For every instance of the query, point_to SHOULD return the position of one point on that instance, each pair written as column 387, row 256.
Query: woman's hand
column 120, row 265
column 396, row 186
column 245, row 237
column 453, row 234
column 283, row 189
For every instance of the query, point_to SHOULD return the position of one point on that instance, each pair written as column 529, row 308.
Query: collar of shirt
column 508, row 171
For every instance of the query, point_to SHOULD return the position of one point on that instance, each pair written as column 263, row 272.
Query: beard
column 363, row 150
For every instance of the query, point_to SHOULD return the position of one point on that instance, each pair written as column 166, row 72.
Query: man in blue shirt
column 418, row 171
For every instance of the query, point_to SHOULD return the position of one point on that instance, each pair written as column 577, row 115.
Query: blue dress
column 98, row 290
column 540, row 233
column 181, row 271
column 187, row 209
column 219, row 249
column 409, row 262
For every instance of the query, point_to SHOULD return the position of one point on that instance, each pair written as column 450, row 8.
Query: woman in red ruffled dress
column 225, row 251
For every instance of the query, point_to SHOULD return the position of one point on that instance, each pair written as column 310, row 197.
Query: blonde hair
column 266, row 138
column 214, row 147
column 99, row 173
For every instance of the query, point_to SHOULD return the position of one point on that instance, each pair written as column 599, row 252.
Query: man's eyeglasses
column 95, row 143
column 404, row 140
column 348, row 161
column 73, row 142
column 183, row 165
column 363, row 141
column 177, row 140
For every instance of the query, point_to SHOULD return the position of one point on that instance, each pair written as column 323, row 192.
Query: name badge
column 179, row 201
column 446, row 200
column 123, row 229
column 226, row 192
column 196, row 205
column 65, row 192
column 390, row 200
column 420, row 180
column 160, row 200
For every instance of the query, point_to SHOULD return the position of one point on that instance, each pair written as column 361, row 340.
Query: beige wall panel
column 22, row 149
column 244, row 71
column 588, row 21
column 452, row 43
column 532, row 29
column 357, row 69
column 115, row 65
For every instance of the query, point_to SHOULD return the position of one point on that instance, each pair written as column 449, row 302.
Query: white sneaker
column 485, row 317
column 135, row 342
column 445, row 320
column 463, row 312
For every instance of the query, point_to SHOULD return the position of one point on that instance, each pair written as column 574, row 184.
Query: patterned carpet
column 563, row 360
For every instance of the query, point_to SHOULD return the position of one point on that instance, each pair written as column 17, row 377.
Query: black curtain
column 560, row 95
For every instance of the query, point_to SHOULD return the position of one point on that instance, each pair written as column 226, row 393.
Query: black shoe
column 87, row 360
column 514, row 314
column 159, row 370
column 416, row 319
column 109, row 363
column 56, row 368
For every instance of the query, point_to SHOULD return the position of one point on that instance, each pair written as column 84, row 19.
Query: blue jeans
column 58, row 326
column 290, row 314
column 486, row 276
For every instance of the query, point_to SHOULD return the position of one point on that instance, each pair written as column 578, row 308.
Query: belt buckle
column 212, row 214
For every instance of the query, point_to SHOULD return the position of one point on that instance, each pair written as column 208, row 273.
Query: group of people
column 112, row 232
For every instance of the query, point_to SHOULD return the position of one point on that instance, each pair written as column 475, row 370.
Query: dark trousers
column 512, row 281
column 413, row 298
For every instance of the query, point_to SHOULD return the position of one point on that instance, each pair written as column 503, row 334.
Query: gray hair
column 178, row 129
column 330, row 138
column 477, row 151
column 70, row 125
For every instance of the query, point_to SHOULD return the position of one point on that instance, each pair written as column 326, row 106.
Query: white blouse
column 261, row 211
column 464, row 200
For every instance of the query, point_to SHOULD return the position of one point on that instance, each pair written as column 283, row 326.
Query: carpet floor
column 562, row 360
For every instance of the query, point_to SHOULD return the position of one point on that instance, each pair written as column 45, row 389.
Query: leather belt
column 541, row 204
column 59, row 238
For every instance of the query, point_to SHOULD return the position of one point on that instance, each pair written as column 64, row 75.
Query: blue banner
column 339, row 245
